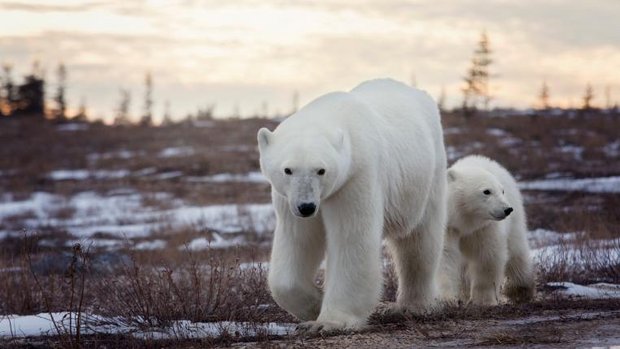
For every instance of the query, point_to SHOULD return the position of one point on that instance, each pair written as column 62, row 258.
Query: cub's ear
column 264, row 138
column 452, row 175
column 339, row 140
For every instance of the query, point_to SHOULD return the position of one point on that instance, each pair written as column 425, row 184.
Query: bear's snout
column 508, row 211
column 307, row 209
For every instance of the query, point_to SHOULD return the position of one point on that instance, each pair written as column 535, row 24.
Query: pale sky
column 250, row 52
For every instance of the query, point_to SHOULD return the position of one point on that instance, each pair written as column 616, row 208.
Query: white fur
column 482, row 244
column 381, row 146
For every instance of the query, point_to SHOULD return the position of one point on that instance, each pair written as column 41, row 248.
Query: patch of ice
column 37, row 204
column 63, row 175
column 176, row 152
column 590, row 185
column 594, row 291
column 151, row 245
column 217, row 242
column 251, row 177
column 129, row 231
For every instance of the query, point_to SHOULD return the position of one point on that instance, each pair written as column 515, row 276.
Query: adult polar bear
column 347, row 170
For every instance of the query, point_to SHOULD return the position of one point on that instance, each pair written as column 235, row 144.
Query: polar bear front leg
column 298, row 249
column 487, row 254
column 353, row 278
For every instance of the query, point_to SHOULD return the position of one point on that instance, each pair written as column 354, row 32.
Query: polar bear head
column 304, row 167
column 476, row 196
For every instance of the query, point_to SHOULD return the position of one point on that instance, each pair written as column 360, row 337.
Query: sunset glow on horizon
column 255, row 55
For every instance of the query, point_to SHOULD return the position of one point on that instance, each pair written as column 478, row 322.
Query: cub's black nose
column 507, row 211
column 306, row 209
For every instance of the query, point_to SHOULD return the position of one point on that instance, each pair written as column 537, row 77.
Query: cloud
column 46, row 7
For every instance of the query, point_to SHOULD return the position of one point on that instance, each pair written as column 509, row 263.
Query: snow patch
column 594, row 291
column 80, row 175
column 251, row 177
column 176, row 152
column 48, row 324
column 151, row 245
column 216, row 242
column 589, row 185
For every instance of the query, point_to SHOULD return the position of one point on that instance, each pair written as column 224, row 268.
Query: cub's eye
column 288, row 171
column 487, row 192
column 321, row 172
column 503, row 191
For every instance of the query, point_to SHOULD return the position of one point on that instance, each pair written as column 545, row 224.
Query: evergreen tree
column 543, row 96
column 82, row 111
column 167, row 120
column 8, row 96
column 588, row 96
column 147, row 117
column 59, row 98
column 31, row 94
column 476, row 93
column 122, row 111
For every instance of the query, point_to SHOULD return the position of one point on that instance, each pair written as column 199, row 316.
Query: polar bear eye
column 321, row 172
column 288, row 171
column 487, row 192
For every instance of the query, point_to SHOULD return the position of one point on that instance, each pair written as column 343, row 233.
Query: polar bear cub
column 486, row 236
column 346, row 171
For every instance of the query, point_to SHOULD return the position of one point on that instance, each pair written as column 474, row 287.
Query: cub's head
column 476, row 195
column 304, row 168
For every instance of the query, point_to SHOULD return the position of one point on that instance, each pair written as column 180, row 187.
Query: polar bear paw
column 329, row 326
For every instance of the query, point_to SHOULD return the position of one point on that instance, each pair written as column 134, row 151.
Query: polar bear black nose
column 306, row 209
column 507, row 211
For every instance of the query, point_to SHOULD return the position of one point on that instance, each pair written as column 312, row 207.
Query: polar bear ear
column 452, row 175
column 263, row 137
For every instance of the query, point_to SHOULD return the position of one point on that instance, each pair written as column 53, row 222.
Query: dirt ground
column 574, row 324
